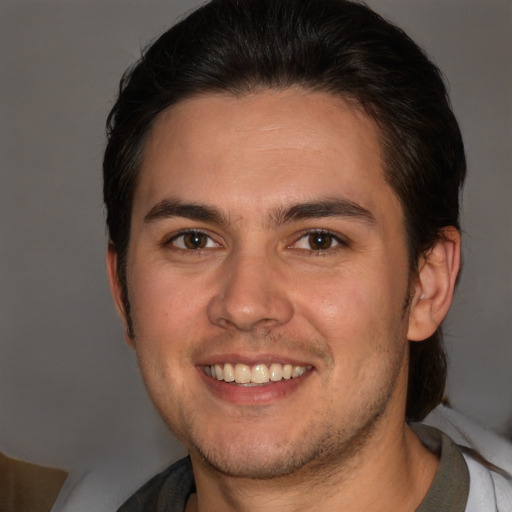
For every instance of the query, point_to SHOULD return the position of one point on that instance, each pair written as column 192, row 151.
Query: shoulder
column 488, row 458
column 491, row 486
column 167, row 491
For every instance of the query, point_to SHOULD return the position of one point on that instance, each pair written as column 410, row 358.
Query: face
column 268, row 278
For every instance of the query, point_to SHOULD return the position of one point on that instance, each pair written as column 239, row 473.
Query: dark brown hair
column 334, row 46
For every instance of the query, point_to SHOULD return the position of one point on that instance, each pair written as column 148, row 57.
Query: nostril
column 246, row 312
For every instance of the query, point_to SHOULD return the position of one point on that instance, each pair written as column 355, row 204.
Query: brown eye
column 192, row 240
column 320, row 241
column 195, row 240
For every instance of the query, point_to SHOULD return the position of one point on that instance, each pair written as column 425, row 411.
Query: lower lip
column 260, row 394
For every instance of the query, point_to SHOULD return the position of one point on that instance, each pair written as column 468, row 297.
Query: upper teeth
column 257, row 374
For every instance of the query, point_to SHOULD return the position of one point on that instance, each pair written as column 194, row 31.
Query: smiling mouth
column 257, row 374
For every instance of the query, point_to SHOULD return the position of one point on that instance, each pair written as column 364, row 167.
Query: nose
column 252, row 294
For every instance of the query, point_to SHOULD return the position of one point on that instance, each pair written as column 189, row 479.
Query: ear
column 433, row 292
column 117, row 291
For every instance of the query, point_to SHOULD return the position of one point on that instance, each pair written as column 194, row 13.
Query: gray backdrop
column 68, row 384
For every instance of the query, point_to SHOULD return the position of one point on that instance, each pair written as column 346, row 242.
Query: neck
column 391, row 472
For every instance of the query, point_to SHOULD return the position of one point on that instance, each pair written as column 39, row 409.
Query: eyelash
column 332, row 239
column 171, row 241
column 337, row 240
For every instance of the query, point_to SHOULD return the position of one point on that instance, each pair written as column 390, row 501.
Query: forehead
column 278, row 146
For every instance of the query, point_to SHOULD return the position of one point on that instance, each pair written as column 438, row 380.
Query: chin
column 313, row 451
column 257, row 462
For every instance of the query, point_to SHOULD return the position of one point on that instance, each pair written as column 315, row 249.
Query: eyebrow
column 168, row 208
column 338, row 207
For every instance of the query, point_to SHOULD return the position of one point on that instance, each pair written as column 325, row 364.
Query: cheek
column 345, row 302
column 358, row 314
column 166, row 309
column 166, row 322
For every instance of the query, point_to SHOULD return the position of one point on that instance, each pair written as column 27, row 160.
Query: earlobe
column 116, row 290
column 435, row 284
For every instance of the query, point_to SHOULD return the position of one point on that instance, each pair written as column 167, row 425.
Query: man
column 282, row 183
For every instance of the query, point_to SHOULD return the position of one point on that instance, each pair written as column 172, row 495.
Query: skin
column 260, row 292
